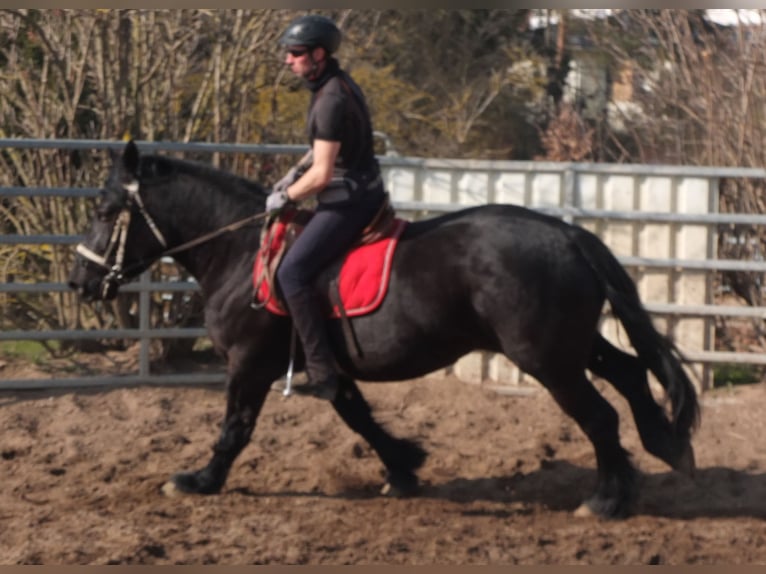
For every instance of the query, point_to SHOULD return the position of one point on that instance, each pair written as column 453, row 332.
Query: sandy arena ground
column 81, row 472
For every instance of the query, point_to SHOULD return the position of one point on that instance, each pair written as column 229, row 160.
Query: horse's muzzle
column 91, row 286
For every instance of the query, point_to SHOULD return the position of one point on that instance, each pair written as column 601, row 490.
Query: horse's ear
column 130, row 158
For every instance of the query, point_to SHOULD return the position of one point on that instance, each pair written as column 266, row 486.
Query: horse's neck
column 225, row 256
column 221, row 260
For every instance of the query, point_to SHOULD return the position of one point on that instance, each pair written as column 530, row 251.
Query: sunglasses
column 297, row 52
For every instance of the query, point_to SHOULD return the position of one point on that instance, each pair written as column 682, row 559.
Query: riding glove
column 276, row 200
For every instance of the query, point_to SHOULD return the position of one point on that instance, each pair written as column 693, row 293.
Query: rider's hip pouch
column 344, row 189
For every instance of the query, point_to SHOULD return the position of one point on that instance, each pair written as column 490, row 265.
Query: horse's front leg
column 246, row 393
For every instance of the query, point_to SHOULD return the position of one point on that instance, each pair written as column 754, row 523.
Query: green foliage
column 442, row 74
column 26, row 350
column 397, row 107
column 726, row 375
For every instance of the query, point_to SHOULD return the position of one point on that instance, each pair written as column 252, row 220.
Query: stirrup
column 284, row 385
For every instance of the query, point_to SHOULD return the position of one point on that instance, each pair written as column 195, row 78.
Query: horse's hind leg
column 616, row 489
column 628, row 376
column 401, row 457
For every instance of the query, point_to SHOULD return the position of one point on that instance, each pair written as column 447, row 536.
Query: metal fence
column 657, row 202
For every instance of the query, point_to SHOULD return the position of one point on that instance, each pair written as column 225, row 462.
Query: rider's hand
column 276, row 200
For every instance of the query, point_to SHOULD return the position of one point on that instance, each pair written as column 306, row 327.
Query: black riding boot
column 320, row 366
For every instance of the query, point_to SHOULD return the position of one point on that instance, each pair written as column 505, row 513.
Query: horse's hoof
column 400, row 486
column 190, row 483
column 391, row 491
column 584, row 511
column 606, row 509
column 170, row 489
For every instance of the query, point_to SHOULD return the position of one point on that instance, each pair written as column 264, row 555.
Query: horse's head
column 123, row 239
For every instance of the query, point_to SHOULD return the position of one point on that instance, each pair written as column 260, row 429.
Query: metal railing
column 145, row 333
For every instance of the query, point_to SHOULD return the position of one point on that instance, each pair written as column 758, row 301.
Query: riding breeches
column 328, row 234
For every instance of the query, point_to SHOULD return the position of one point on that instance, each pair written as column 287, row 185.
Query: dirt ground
column 81, row 473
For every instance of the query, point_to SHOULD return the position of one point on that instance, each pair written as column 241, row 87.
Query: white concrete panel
column 619, row 238
column 470, row 368
column 400, row 183
column 587, row 191
column 501, row 370
column 655, row 287
column 692, row 242
column 546, row 190
column 437, row 186
column 694, row 195
column 692, row 287
column 656, row 194
column 473, row 188
column 510, row 188
column 654, row 240
column 618, row 192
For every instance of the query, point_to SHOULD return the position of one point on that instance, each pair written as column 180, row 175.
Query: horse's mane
column 156, row 167
column 223, row 194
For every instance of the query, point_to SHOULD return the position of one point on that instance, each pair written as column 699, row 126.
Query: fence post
column 569, row 193
column 144, row 324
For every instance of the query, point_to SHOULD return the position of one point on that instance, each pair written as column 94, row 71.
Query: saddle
column 354, row 285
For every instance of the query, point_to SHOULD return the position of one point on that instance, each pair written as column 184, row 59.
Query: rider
column 341, row 170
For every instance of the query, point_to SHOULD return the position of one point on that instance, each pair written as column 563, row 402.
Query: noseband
column 117, row 274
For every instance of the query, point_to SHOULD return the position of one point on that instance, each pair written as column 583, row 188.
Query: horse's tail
column 656, row 351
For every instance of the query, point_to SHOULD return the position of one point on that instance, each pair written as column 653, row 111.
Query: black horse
column 499, row 278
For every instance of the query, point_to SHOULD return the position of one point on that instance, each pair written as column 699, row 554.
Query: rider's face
column 300, row 61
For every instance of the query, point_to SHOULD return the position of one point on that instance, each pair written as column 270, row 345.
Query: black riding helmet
column 312, row 30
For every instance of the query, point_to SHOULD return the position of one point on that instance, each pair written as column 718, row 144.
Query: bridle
column 117, row 274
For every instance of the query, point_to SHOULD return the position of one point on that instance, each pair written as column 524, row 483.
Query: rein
column 213, row 234
column 116, row 273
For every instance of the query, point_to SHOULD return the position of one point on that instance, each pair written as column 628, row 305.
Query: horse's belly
column 401, row 351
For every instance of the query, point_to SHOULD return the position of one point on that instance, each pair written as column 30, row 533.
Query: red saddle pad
column 362, row 280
